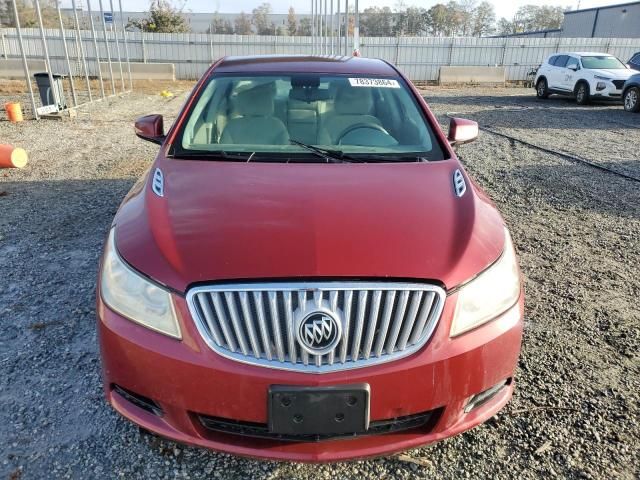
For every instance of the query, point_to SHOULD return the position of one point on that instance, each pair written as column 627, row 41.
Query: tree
column 260, row 19
column 243, row 24
column 304, row 28
column 530, row 18
column 292, row 22
column 411, row 21
column 376, row 22
column 28, row 16
column 220, row 25
column 484, row 20
column 163, row 18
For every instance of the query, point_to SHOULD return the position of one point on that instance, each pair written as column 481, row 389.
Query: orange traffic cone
column 11, row 157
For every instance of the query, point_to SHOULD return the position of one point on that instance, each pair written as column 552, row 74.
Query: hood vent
column 459, row 185
column 157, row 184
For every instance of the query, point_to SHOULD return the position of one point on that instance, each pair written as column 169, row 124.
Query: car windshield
column 602, row 62
column 311, row 117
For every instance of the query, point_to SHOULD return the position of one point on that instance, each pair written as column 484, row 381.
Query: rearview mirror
column 462, row 131
column 150, row 128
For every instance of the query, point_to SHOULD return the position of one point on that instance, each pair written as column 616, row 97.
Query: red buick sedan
column 307, row 272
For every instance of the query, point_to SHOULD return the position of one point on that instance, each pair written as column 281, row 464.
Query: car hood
column 615, row 74
column 242, row 221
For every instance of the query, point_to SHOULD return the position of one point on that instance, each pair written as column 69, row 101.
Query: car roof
column 305, row 63
column 584, row 54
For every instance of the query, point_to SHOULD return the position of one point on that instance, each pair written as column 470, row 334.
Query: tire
column 542, row 89
column 631, row 99
column 582, row 93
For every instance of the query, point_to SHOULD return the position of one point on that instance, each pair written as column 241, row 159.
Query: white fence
column 419, row 57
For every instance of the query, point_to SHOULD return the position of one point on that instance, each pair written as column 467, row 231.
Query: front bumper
column 188, row 382
column 610, row 91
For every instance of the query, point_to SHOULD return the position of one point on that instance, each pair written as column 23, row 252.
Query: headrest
column 256, row 101
column 353, row 101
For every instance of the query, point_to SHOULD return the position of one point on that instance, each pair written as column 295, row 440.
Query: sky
column 503, row 8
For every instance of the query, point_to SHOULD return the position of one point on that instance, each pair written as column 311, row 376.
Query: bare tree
column 292, row 22
column 484, row 20
column 260, row 19
column 243, row 24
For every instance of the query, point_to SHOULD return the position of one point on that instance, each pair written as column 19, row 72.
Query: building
column 621, row 21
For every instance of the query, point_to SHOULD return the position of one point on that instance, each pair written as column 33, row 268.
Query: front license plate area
column 335, row 410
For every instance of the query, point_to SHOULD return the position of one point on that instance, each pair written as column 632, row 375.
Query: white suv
column 582, row 75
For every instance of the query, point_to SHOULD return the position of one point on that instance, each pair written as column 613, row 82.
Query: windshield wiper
column 333, row 155
column 340, row 156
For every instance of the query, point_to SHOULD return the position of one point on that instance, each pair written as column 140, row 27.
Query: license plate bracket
column 334, row 410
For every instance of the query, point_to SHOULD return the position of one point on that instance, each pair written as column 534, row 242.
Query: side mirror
column 462, row 131
column 150, row 128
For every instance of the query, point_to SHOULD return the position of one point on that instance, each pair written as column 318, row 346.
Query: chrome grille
column 256, row 323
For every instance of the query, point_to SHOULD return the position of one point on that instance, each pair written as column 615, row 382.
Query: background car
column 631, row 94
column 584, row 76
column 634, row 62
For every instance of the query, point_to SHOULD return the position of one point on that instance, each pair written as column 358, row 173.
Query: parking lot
column 567, row 180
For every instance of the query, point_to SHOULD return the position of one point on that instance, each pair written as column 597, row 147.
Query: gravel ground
column 576, row 410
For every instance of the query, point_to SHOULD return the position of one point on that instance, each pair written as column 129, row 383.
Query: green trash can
column 51, row 94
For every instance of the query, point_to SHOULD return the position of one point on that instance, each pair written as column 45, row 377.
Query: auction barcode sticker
column 374, row 82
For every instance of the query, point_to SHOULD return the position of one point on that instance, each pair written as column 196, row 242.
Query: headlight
column 600, row 77
column 135, row 297
column 490, row 294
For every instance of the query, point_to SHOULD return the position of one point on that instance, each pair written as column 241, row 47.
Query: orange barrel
column 11, row 157
column 14, row 111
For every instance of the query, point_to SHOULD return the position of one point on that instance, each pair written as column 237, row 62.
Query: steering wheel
column 357, row 126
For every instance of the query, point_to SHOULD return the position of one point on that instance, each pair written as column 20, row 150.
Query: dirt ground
column 576, row 410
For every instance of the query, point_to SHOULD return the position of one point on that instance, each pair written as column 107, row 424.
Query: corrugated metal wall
column 419, row 57
column 618, row 21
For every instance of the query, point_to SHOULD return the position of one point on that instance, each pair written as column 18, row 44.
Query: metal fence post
column 504, row 50
column 333, row 18
column 115, row 33
column 346, row 27
column 84, row 60
column 313, row 27
column 338, row 33
column 45, row 47
column 66, row 56
column 4, row 46
column 106, row 43
column 25, row 66
column 95, row 48
column 126, row 45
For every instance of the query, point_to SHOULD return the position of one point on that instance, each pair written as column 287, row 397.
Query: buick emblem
column 319, row 332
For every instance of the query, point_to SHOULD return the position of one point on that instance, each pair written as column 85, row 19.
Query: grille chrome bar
column 255, row 323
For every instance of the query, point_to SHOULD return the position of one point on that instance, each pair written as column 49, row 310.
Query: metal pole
column 45, row 49
column 66, row 56
column 326, row 28
column 356, row 29
column 333, row 18
column 106, row 43
column 313, row 27
column 339, row 37
column 346, row 27
column 25, row 66
column 321, row 39
column 115, row 32
column 95, row 48
column 84, row 60
column 126, row 46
